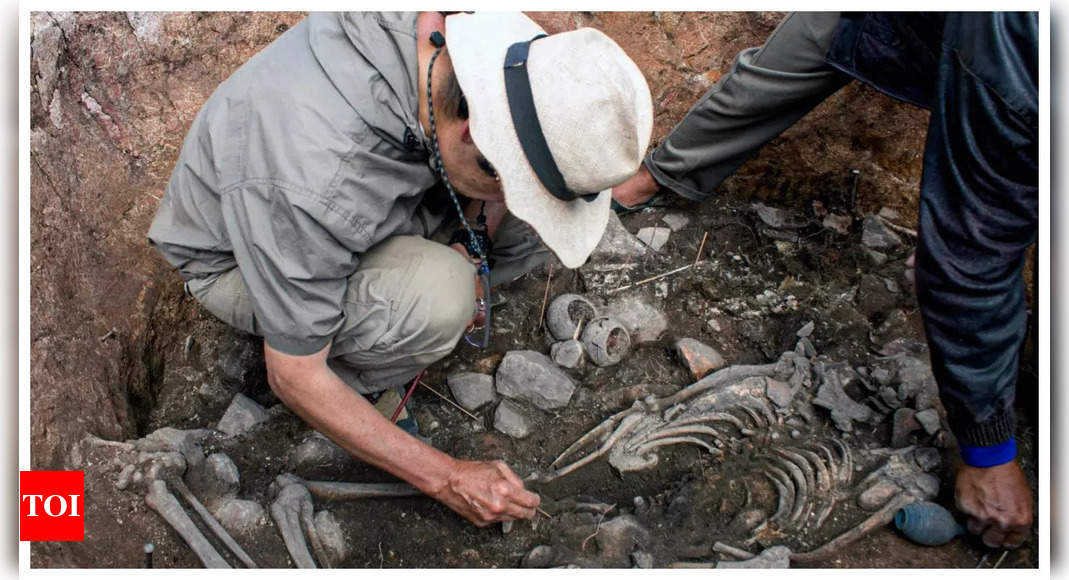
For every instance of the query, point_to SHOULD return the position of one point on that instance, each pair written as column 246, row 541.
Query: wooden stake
column 700, row 248
column 545, row 297
column 657, row 277
column 458, row 407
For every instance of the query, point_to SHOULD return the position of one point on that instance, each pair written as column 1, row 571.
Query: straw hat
column 588, row 104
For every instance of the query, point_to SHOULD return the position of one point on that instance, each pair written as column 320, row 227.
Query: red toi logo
column 51, row 506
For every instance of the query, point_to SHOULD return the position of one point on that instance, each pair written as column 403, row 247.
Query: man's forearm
column 319, row 397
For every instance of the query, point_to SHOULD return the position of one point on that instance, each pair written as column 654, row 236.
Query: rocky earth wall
column 112, row 95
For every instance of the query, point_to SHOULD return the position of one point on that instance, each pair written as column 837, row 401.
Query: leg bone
column 287, row 511
column 166, row 504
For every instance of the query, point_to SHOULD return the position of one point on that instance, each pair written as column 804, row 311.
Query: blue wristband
column 1004, row 452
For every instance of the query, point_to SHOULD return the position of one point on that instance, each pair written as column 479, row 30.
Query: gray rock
column 838, row 223
column 889, row 397
column 619, row 537
column 216, row 477
column 676, row 221
column 567, row 353
column 929, row 419
column 888, row 213
column 928, row 458
column 642, row 560
column 471, row 390
column 333, row 536
column 654, row 237
column 806, row 330
column 876, row 257
column 617, row 244
column 774, row 557
column 645, row 323
column 904, row 424
column 539, row 557
column 927, row 484
column 917, row 382
column 316, row 453
column 876, row 235
column 844, row 410
column 511, row 420
column 777, row 218
column 241, row 415
column 778, row 392
column 239, row 516
column 531, row 376
column 891, row 285
column 882, row 375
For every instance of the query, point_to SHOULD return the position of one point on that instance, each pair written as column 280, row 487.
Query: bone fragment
column 166, row 504
column 732, row 551
column 626, row 425
column 880, row 518
column 601, row 430
column 344, row 491
column 661, row 442
column 726, row 376
column 287, row 511
column 213, row 524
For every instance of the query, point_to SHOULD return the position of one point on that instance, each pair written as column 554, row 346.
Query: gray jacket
column 308, row 155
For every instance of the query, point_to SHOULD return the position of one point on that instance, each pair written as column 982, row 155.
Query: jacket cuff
column 989, row 456
column 994, row 431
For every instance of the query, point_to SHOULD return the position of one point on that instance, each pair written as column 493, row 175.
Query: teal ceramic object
column 927, row 523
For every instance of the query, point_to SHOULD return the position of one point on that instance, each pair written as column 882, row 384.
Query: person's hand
column 480, row 315
column 637, row 190
column 485, row 492
column 997, row 502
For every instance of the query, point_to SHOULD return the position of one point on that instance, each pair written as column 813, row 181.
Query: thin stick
column 401, row 405
column 700, row 248
column 657, row 277
column 597, row 528
column 545, row 297
column 543, row 512
column 456, row 406
column 1002, row 557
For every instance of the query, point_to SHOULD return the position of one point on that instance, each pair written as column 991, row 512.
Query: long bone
column 292, row 511
column 878, row 519
column 213, row 524
column 166, row 504
column 720, row 378
column 344, row 491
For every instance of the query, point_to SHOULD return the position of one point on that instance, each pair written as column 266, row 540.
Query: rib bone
column 876, row 520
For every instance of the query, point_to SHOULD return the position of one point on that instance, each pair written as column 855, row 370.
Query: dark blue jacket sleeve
column 978, row 216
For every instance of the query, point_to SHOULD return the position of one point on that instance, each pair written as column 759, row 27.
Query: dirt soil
column 119, row 351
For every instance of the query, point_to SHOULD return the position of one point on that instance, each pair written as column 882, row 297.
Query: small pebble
column 795, row 433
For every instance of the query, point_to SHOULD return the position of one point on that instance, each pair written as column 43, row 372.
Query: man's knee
column 413, row 293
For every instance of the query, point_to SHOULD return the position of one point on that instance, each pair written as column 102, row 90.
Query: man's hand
column 997, row 501
column 485, row 492
column 637, row 190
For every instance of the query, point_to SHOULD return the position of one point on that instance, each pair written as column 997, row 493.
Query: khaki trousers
column 406, row 306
